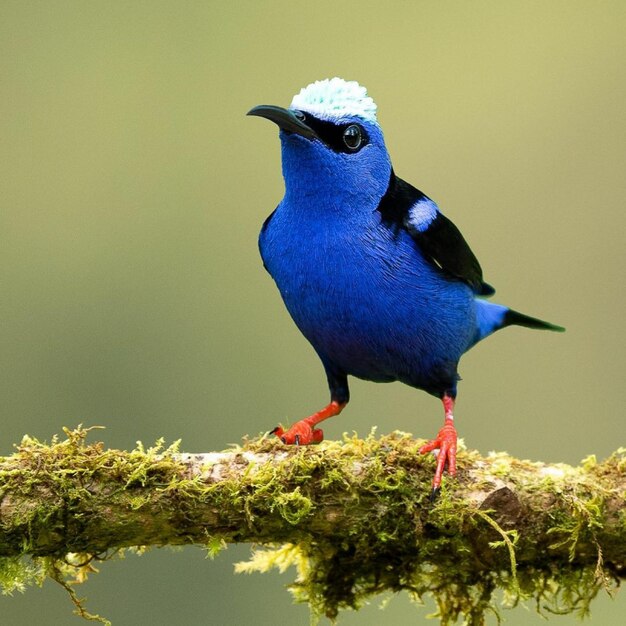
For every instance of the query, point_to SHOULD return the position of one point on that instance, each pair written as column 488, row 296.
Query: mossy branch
column 354, row 517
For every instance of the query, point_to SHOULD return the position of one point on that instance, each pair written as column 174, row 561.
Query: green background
column 133, row 188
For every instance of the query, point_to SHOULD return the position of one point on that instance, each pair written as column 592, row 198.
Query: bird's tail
column 491, row 317
column 514, row 318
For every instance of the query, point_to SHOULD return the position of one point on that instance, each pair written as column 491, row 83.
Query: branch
column 353, row 516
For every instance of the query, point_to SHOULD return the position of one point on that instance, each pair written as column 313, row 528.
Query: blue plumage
column 382, row 285
column 366, row 298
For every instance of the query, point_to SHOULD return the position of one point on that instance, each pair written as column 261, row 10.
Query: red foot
column 303, row 433
column 445, row 443
column 300, row 434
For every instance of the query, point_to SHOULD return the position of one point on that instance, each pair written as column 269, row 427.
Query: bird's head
column 332, row 145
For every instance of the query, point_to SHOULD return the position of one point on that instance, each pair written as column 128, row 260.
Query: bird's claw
column 445, row 443
column 434, row 493
column 300, row 434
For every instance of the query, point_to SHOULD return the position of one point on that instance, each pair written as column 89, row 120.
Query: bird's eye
column 300, row 115
column 353, row 137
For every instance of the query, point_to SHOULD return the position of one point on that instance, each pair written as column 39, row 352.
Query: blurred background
column 134, row 187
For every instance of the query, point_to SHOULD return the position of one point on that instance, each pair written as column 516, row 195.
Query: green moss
column 67, row 465
column 214, row 545
column 358, row 521
column 293, row 507
column 384, row 553
column 16, row 573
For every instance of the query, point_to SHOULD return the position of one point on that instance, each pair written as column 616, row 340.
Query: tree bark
column 354, row 517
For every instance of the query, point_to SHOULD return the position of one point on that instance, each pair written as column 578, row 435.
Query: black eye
column 353, row 137
column 300, row 115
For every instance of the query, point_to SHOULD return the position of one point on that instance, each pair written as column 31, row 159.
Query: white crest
column 334, row 99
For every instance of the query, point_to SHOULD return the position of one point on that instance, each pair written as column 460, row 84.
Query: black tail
column 513, row 318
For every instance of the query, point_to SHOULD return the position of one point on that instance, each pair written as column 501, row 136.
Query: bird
column 379, row 281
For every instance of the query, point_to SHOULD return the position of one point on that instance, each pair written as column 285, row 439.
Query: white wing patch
column 334, row 99
column 421, row 214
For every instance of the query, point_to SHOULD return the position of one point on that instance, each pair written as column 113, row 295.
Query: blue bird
column 380, row 282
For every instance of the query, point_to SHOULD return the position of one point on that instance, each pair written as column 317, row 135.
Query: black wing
column 438, row 238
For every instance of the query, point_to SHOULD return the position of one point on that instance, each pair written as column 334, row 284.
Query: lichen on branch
column 353, row 517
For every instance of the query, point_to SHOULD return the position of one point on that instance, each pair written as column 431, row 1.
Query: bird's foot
column 444, row 445
column 302, row 433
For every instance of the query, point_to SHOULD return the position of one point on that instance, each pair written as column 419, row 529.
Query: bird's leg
column 304, row 432
column 445, row 444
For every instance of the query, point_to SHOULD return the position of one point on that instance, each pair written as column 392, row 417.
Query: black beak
column 285, row 119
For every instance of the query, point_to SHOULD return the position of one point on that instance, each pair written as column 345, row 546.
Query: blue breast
column 366, row 298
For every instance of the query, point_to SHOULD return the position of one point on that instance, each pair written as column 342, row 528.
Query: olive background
column 133, row 187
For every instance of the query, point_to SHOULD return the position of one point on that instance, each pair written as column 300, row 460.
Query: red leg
column 445, row 444
column 304, row 432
